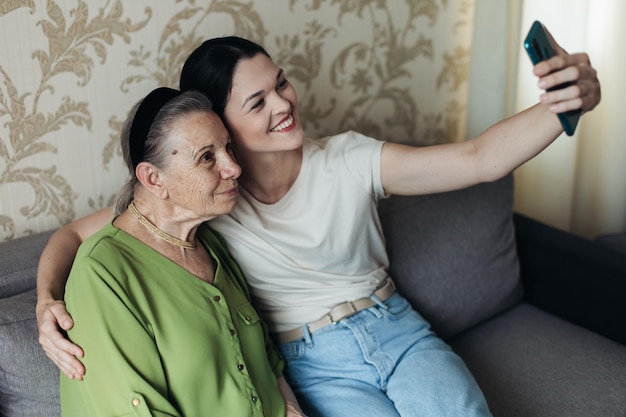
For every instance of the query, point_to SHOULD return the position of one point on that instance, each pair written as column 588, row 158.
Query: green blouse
column 159, row 341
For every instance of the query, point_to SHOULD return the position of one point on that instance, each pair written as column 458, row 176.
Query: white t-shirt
column 322, row 243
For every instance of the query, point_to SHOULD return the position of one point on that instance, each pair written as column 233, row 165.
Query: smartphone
column 539, row 48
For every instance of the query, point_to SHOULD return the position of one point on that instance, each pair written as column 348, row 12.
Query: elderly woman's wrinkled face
column 202, row 173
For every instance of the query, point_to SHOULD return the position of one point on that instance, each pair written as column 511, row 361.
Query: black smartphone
column 539, row 48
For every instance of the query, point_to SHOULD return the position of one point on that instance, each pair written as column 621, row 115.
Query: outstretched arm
column 504, row 146
column 54, row 267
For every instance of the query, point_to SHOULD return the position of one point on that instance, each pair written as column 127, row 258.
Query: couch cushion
column 615, row 241
column 453, row 254
column 18, row 263
column 531, row 363
column 29, row 381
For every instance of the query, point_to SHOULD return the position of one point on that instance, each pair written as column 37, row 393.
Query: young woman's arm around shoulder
column 504, row 146
column 54, row 268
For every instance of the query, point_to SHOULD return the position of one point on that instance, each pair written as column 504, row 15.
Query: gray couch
column 536, row 313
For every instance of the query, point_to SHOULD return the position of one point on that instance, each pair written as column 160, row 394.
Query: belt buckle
column 344, row 315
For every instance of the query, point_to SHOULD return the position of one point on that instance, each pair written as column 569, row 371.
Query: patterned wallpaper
column 71, row 69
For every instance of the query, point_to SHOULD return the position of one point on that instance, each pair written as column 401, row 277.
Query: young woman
column 155, row 291
column 306, row 234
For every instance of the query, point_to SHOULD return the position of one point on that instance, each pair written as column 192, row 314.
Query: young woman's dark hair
column 211, row 66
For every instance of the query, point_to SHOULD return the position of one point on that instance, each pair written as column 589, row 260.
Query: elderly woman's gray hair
column 156, row 150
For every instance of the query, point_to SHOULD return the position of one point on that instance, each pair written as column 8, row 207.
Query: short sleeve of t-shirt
column 362, row 156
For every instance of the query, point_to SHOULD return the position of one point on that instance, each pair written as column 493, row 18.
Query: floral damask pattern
column 28, row 125
column 395, row 70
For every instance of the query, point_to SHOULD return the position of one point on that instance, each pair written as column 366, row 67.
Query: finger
column 50, row 337
column 54, row 311
column 63, row 349
column 556, row 79
column 583, row 95
column 574, row 74
column 560, row 62
column 567, row 105
column 58, row 361
column 67, row 362
column 62, row 316
column 564, row 99
column 69, row 371
column 556, row 63
column 65, row 346
column 581, row 87
column 65, row 321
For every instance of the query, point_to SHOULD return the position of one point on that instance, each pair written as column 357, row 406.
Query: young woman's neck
column 269, row 176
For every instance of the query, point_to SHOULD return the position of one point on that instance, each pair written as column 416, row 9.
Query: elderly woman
column 160, row 307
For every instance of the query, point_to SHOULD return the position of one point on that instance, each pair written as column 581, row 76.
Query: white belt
column 339, row 312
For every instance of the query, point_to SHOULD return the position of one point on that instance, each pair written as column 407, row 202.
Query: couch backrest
column 453, row 254
column 29, row 381
column 18, row 263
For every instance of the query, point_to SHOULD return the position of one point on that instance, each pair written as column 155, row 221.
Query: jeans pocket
column 397, row 307
column 292, row 350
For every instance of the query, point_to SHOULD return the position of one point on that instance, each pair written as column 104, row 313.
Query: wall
column 69, row 72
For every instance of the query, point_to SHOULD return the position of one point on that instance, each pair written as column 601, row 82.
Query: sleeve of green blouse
column 123, row 369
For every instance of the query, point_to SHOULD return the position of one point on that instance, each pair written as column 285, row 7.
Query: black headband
column 147, row 111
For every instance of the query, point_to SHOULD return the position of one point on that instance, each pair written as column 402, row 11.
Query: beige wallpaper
column 71, row 69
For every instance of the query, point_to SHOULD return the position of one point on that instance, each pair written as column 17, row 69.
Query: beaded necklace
column 160, row 233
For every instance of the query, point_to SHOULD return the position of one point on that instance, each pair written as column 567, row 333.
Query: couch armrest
column 572, row 277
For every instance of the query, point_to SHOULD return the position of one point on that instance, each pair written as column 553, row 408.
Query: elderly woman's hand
column 293, row 411
column 584, row 89
column 52, row 319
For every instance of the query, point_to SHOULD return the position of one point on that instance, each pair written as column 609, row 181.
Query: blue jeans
column 383, row 361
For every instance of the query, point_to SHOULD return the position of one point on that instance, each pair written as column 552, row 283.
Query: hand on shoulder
column 52, row 319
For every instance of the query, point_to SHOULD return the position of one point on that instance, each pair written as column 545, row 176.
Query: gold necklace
column 160, row 233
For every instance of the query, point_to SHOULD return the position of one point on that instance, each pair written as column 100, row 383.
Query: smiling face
column 201, row 172
column 262, row 110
